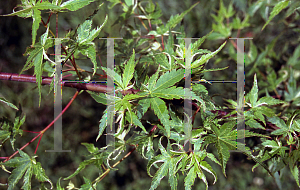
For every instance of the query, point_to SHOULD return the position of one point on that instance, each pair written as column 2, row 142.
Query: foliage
column 150, row 80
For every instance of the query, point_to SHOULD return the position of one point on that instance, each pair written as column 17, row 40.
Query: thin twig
column 46, row 128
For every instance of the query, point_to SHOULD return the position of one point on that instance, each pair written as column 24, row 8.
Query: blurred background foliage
column 273, row 55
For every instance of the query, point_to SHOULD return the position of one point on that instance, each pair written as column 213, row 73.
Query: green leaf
column 36, row 55
column 254, row 7
column 210, row 70
column 81, row 166
column 84, row 31
column 90, row 147
column 174, row 20
column 153, row 79
column 274, row 145
column 204, row 165
column 292, row 160
column 22, row 13
column 169, row 165
column 45, row 5
column 189, row 180
column 225, row 140
column 106, row 117
column 90, row 52
column 170, row 93
column 162, row 172
column 206, row 57
column 136, row 121
column 254, row 124
column 268, row 101
column 168, row 79
column 199, row 42
column 39, row 173
column 36, row 23
column 85, row 35
column 97, row 159
column 143, row 106
column 29, row 166
column 44, row 37
column 284, row 129
column 99, row 97
column 213, row 158
column 160, row 110
column 276, row 10
column 7, row 103
column 114, row 75
column 295, row 172
column 163, row 61
column 133, row 96
column 88, row 185
column 292, row 8
column 294, row 60
column 33, row 52
column 74, row 5
column 129, row 70
column 38, row 71
column 253, row 95
column 58, row 187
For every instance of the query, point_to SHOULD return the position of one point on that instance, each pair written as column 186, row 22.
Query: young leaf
column 36, row 22
column 85, row 34
column 135, row 120
column 114, row 75
column 189, row 180
column 153, row 79
column 24, row 164
column 74, row 5
column 206, row 57
column 38, row 71
column 22, row 13
column 90, row 52
column 84, row 31
column 276, row 10
column 253, row 95
column 7, row 103
column 199, row 42
column 45, row 5
column 98, row 158
column 169, row 165
column 168, row 79
column 160, row 110
column 88, row 185
column 100, row 98
column 170, row 93
column 129, row 70
column 58, row 187
column 284, row 129
column 106, row 117
column 174, row 20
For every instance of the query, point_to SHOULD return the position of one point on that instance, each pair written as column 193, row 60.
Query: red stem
column 38, row 144
column 47, row 80
column 30, row 131
column 49, row 18
column 46, row 128
column 56, row 25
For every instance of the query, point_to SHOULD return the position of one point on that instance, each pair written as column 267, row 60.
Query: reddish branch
column 47, row 80
column 46, row 128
